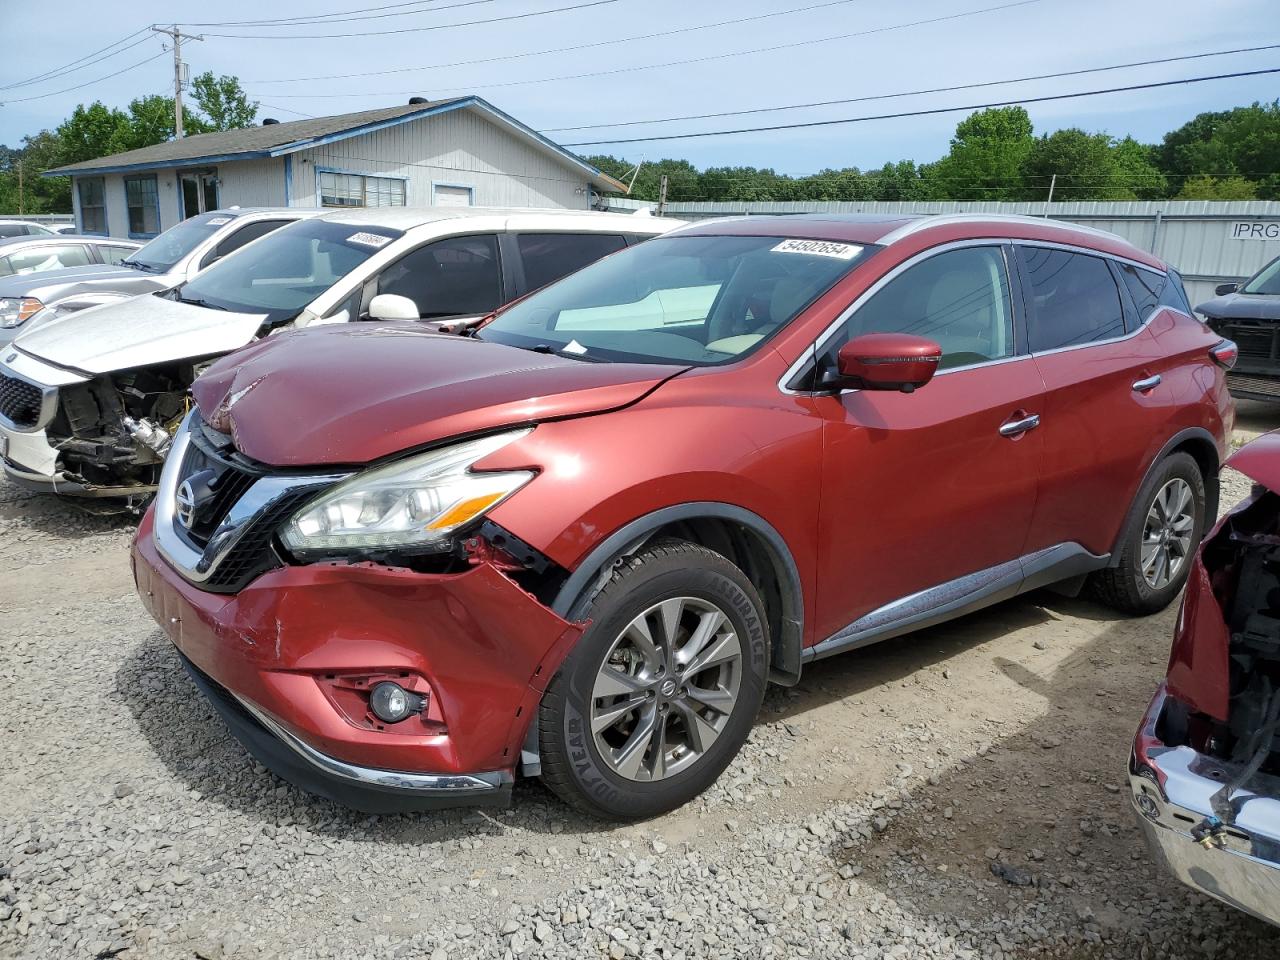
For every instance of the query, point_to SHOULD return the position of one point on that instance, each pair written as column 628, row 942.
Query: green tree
column 1137, row 169
column 89, row 132
column 1082, row 163
column 1205, row 187
column 1242, row 142
column 224, row 103
column 986, row 157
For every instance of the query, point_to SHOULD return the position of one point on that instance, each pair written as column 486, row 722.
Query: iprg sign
column 1255, row 230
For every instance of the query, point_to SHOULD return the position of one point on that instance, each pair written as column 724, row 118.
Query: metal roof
column 278, row 139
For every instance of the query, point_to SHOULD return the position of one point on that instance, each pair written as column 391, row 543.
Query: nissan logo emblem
column 185, row 503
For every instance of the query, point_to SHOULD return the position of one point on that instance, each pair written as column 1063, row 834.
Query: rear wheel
column 1160, row 540
column 661, row 691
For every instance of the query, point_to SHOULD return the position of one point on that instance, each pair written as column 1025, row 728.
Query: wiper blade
column 138, row 265
column 197, row 302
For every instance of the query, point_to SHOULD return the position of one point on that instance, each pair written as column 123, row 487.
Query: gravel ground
column 959, row 793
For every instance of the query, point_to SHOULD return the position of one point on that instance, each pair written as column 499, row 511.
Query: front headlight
column 15, row 311
column 415, row 503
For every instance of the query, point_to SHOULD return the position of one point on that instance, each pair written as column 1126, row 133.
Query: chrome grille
column 21, row 403
column 231, row 537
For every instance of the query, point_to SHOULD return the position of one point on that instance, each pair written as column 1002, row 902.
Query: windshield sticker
column 819, row 248
column 369, row 240
column 573, row 346
column 219, row 221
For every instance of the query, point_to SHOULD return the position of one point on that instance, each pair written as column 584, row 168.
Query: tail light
column 1224, row 353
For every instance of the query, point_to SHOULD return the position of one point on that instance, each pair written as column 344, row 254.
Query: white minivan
column 89, row 401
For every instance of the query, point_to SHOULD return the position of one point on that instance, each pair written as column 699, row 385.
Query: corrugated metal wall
column 455, row 149
column 252, row 183
column 1195, row 236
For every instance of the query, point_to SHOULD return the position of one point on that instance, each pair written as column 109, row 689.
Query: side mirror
column 885, row 361
column 391, row 306
column 1223, row 289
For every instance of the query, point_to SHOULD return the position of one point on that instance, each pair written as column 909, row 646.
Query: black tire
column 572, row 765
column 1123, row 587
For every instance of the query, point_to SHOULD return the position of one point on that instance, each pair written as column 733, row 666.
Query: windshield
column 1265, row 281
column 696, row 300
column 175, row 243
column 288, row 269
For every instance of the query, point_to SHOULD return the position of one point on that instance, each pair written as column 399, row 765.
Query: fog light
column 392, row 703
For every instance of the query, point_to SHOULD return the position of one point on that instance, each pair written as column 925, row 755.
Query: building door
column 199, row 192
column 445, row 196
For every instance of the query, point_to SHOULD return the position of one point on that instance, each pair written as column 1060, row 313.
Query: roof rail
column 939, row 219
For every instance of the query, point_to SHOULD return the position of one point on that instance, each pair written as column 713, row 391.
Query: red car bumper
column 276, row 658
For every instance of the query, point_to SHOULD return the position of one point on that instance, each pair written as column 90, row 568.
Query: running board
column 964, row 595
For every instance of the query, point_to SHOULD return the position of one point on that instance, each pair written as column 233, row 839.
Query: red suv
column 580, row 538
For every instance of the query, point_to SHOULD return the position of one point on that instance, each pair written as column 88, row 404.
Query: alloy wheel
column 1166, row 535
column 666, row 689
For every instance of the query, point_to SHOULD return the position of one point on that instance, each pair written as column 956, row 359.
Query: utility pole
column 662, row 194
column 180, row 72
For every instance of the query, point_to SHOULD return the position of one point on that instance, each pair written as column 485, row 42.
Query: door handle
column 1015, row 428
column 1150, row 383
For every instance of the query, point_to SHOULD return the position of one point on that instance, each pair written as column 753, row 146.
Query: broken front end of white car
column 89, row 403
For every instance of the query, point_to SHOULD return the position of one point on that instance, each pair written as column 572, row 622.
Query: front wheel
column 660, row 693
column 1160, row 540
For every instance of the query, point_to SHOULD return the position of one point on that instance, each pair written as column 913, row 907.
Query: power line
column 570, row 49
column 90, row 83
column 915, row 93
column 439, row 26
column 80, row 64
column 922, row 113
column 338, row 16
column 678, row 63
column 308, row 116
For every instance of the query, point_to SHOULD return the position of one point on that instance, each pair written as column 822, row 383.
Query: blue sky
column 1037, row 37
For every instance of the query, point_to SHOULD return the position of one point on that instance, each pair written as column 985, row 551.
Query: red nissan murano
column 578, row 538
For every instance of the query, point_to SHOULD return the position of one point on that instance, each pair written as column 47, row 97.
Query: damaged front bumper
column 279, row 660
column 1171, row 788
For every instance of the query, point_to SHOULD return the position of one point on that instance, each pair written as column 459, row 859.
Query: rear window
column 1074, row 298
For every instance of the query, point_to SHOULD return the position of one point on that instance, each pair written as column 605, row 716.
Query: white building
column 462, row 151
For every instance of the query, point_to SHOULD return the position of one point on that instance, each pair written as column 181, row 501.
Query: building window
column 357, row 190
column 142, row 198
column 93, row 207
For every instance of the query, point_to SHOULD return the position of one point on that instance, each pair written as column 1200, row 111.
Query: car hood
column 1259, row 460
column 139, row 332
column 352, row 394
column 26, row 284
column 1242, row 306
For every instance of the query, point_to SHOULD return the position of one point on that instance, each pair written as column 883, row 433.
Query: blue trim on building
column 288, row 180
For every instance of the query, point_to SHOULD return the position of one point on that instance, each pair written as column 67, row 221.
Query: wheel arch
column 1200, row 444
column 743, row 537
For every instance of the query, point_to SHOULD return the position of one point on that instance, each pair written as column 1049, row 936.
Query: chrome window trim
column 196, row 565
column 812, row 351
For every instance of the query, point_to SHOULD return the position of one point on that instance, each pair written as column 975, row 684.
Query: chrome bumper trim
column 418, row 783
column 1239, row 863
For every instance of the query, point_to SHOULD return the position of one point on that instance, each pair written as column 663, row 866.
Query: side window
column 457, row 276
column 1175, row 294
column 113, row 255
column 39, row 259
column 239, row 238
column 13, row 229
column 960, row 299
column 1146, row 287
column 5, row 269
column 549, row 256
column 1074, row 298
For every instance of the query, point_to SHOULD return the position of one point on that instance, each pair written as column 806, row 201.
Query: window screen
column 959, row 299
column 357, row 190
column 549, row 256
column 1074, row 298
column 93, row 209
column 143, row 203
column 459, row 276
